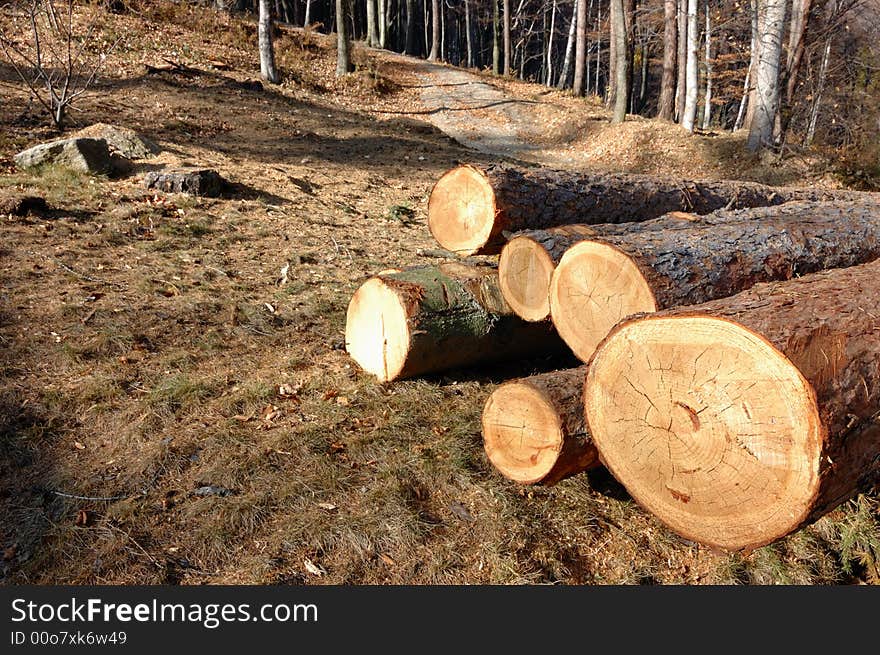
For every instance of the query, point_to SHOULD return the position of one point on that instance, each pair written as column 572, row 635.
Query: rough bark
column 670, row 44
column 569, row 48
column 496, row 38
column 268, row 71
column 534, row 430
column 467, row 36
column 766, row 420
column 372, row 27
column 601, row 281
column 411, row 14
column 471, row 208
column 707, row 99
column 426, row 320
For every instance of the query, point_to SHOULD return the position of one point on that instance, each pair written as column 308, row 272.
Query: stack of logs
column 729, row 334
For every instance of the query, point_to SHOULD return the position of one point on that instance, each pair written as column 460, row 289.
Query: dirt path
column 484, row 116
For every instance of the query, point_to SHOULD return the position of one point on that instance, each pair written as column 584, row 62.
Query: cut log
column 534, row 428
column 426, row 320
column 738, row 421
column 471, row 208
column 600, row 281
column 528, row 260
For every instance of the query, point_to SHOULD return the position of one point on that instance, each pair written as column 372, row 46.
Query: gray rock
column 194, row 181
column 122, row 140
column 81, row 154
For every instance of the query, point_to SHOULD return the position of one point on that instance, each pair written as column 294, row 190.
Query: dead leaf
column 271, row 412
column 328, row 506
column 330, row 393
column 289, row 390
column 313, row 568
column 337, row 447
column 343, row 400
column 78, row 445
column 83, row 518
column 10, row 552
column 387, row 559
column 244, row 418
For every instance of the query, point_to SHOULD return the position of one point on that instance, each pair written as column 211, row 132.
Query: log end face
column 593, row 288
column 461, row 210
column 376, row 330
column 708, row 426
column 522, row 432
column 524, row 272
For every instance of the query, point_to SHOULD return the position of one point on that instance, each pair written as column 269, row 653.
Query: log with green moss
column 430, row 319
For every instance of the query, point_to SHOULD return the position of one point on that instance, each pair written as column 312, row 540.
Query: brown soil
column 177, row 410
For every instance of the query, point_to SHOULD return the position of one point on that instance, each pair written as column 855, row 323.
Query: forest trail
column 484, row 115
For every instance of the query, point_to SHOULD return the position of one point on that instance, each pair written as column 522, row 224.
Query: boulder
column 81, row 154
column 194, row 181
column 122, row 140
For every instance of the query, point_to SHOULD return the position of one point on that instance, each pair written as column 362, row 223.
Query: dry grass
column 152, row 361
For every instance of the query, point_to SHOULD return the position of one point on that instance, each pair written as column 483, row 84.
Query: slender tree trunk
column 435, row 31
column 569, row 47
column 689, row 115
column 666, row 104
column 580, row 51
column 681, row 87
column 621, row 64
column 740, row 115
column 800, row 12
column 707, row 101
column 507, row 53
column 548, row 77
column 382, row 23
column 372, row 32
column 612, row 59
column 771, row 24
column 598, row 43
column 587, row 54
column 267, row 52
column 820, row 87
column 753, row 65
column 411, row 13
column 496, row 38
column 467, row 35
column 307, row 18
column 343, row 41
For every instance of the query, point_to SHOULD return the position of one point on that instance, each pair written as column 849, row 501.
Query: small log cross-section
column 534, row 428
column 600, row 281
column 471, row 208
column 529, row 258
column 425, row 320
column 740, row 420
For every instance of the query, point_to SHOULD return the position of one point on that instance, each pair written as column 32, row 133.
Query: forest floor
column 175, row 409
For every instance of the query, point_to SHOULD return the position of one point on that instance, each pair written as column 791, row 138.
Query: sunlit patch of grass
column 177, row 392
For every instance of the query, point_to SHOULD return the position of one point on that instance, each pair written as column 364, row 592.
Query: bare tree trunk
column 496, row 37
column 598, row 43
column 770, row 27
column 435, row 31
column 612, row 60
column 580, row 50
column 467, row 35
column 587, row 54
column 372, row 32
column 506, row 37
column 621, row 65
column 820, row 87
column 681, row 88
column 267, row 52
column 382, row 22
column 800, row 12
column 707, row 101
column 548, row 77
column 667, row 83
column 411, row 12
column 689, row 115
column 753, row 65
column 569, row 47
column 307, row 17
column 343, row 41
column 740, row 115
